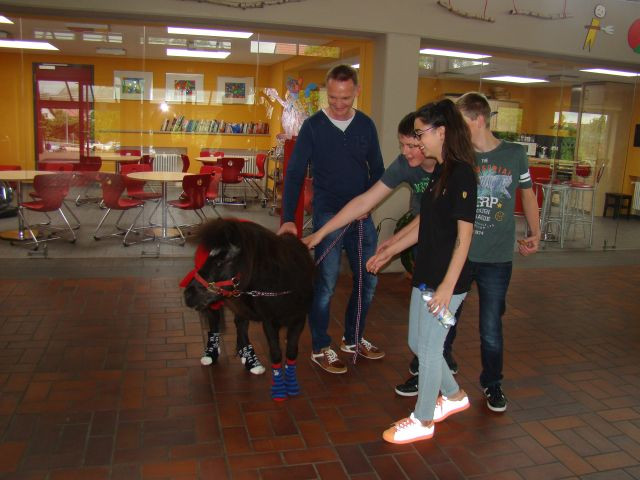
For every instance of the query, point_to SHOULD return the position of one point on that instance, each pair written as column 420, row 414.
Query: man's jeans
column 327, row 274
column 492, row 280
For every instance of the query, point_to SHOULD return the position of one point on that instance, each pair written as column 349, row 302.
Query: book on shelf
column 181, row 124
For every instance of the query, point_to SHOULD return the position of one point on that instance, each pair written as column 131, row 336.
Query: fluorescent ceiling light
column 181, row 52
column 355, row 65
column 514, row 79
column 4, row 19
column 606, row 71
column 452, row 53
column 27, row 45
column 275, row 48
column 111, row 51
column 208, row 33
column 42, row 35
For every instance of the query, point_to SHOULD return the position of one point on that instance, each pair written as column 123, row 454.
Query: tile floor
column 100, row 379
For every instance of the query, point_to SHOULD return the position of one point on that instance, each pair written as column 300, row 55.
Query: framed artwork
column 184, row 88
column 132, row 85
column 235, row 90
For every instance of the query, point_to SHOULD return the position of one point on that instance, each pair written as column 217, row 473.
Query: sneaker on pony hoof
column 408, row 430
column 212, row 350
column 250, row 360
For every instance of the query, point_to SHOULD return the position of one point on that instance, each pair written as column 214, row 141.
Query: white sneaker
column 408, row 430
column 446, row 407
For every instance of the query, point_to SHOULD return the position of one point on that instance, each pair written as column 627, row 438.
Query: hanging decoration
column 449, row 6
column 592, row 29
column 244, row 4
column 297, row 104
column 542, row 16
column 633, row 36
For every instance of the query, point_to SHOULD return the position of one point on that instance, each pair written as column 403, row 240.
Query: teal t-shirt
column 399, row 172
column 500, row 172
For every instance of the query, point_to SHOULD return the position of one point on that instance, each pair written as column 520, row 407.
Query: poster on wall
column 184, row 88
column 132, row 85
column 235, row 90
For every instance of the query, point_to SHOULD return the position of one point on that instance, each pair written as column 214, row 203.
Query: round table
column 20, row 177
column 164, row 178
column 208, row 160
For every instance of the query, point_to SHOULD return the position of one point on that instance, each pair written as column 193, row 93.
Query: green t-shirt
column 401, row 172
column 500, row 172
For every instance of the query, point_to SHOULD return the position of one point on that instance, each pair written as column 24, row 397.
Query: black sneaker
column 496, row 401
column 451, row 363
column 408, row 388
column 212, row 350
column 414, row 365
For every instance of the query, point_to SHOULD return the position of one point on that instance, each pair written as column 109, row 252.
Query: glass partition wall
column 119, row 91
column 577, row 126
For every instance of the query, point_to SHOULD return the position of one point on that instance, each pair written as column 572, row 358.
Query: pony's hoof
column 206, row 360
column 258, row 370
column 279, row 399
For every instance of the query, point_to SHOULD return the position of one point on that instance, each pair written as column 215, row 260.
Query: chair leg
column 95, row 234
column 26, row 223
column 184, row 240
column 73, row 234
column 132, row 228
column 77, row 220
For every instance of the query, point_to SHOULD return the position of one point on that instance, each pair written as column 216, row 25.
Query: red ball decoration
column 633, row 37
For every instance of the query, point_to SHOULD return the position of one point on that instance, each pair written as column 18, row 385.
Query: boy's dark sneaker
column 414, row 365
column 408, row 388
column 496, row 401
column 451, row 363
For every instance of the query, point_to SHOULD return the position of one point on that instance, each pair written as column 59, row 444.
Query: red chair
column 146, row 160
column 253, row 178
column 135, row 188
column 59, row 167
column 212, row 191
column 50, row 190
column 194, row 197
column 86, row 175
column 113, row 185
column 185, row 162
column 126, row 152
column 231, row 168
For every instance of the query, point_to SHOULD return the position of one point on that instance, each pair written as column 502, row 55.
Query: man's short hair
column 406, row 127
column 343, row 73
column 474, row 104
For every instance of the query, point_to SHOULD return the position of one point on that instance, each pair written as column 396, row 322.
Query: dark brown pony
column 261, row 276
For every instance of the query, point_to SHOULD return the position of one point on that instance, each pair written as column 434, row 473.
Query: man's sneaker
column 408, row 388
column 451, row 363
column 212, row 350
column 250, row 360
column 414, row 365
column 496, row 401
column 366, row 349
column 447, row 406
column 408, row 430
column 329, row 361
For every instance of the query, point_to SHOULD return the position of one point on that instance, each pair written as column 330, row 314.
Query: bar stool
column 577, row 213
column 548, row 218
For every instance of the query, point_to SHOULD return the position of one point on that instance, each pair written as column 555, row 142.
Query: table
column 116, row 158
column 208, row 160
column 19, row 176
column 163, row 178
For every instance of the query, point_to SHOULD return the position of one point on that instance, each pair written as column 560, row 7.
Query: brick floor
column 100, row 379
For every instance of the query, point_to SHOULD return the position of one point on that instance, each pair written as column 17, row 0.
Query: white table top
column 158, row 176
column 115, row 157
column 23, row 174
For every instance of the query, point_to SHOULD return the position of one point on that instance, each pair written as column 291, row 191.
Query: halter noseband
column 220, row 287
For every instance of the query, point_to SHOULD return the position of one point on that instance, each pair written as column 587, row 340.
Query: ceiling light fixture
column 515, row 79
column 355, row 65
column 606, row 71
column 27, row 45
column 4, row 19
column 111, row 51
column 205, row 32
column 452, row 53
column 181, row 52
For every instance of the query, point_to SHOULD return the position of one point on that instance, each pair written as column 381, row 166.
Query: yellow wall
column 633, row 153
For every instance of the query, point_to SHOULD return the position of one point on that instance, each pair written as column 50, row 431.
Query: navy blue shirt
column 343, row 164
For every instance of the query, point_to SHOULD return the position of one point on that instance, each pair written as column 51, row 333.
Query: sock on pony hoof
column 250, row 360
column 290, row 379
column 212, row 350
column 278, row 390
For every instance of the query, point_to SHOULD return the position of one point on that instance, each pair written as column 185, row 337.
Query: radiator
column 249, row 163
column 167, row 162
column 636, row 199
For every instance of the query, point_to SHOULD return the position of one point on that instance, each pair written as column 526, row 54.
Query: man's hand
column 288, row 227
column 311, row 240
column 529, row 245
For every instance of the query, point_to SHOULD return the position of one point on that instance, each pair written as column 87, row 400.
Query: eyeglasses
column 417, row 133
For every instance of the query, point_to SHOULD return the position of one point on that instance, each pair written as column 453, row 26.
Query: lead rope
column 359, row 309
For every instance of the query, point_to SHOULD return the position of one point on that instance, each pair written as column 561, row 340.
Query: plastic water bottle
column 444, row 316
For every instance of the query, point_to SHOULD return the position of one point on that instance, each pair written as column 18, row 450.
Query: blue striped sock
column 290, row 379
column 278, row 390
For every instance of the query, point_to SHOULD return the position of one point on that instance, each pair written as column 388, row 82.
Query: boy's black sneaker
column 414, row 365
column 496, row 401
column 451, row 363
column 408, row 388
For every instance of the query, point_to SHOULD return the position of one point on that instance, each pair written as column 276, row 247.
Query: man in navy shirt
column 341, row 144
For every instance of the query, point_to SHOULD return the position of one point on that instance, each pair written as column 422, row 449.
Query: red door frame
column 83, row 75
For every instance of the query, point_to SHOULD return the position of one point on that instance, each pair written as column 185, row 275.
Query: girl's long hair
column 457, row 145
